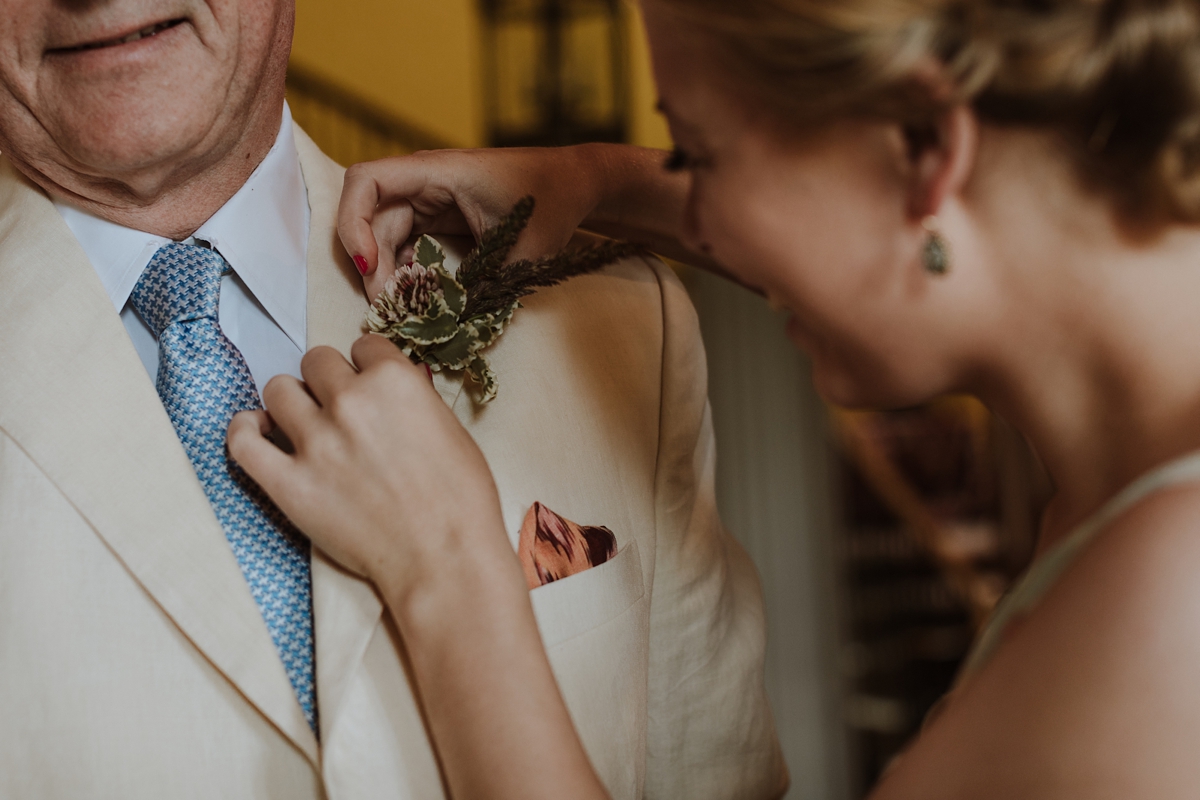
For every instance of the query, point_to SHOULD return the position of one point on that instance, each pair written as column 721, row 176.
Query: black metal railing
column 574, row 98
column 348, row 127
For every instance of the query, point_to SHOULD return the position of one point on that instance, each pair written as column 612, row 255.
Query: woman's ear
column 941, row 157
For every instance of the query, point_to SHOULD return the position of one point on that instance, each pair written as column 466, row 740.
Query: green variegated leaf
column 439, row 308
column 485, row 380
column 428, row 252
column 454, row 293
column 458, row 351
column 488, row 333
column 501, row 320
column 490, row 326
column 426, row 331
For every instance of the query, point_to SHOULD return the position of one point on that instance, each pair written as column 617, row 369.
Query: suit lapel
column 76, row 398
column 345, row 608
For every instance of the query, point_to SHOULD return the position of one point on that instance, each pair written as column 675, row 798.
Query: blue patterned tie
column 203, row 381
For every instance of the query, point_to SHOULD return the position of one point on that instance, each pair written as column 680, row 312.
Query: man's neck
column 181, row 197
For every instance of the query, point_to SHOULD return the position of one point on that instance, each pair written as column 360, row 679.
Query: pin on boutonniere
column 447, row 321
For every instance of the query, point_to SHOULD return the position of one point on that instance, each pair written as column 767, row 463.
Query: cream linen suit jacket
column 135, row 664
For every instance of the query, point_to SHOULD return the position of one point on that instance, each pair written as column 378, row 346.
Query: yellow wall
column 416, row 58
column 647, row 126
column 421, row 61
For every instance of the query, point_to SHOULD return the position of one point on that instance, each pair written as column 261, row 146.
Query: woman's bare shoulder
column 1096, row 693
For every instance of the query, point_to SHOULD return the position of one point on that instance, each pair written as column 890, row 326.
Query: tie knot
column 182, row 282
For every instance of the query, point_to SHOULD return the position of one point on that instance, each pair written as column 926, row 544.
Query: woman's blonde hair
column 1117, row 80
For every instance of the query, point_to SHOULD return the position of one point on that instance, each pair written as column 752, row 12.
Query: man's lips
column 129, row 38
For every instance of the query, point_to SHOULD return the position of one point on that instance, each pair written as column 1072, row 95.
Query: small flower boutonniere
column 447, row 321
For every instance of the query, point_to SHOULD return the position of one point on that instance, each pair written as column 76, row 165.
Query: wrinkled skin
column 156, row 133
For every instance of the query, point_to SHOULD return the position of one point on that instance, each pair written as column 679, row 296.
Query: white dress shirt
column 262, row 231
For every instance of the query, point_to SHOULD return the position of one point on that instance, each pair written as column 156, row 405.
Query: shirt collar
column 262, row 231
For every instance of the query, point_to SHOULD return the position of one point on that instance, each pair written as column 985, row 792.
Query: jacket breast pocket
column 595, row 626
column 574, row 605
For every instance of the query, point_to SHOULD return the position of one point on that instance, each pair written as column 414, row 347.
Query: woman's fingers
column 350, row 479
column 374, row 349
column 291, row 407
column 386, row 203
column 263, row 461
column 364, row 188
column 326, row 372
column 392, row 229
column 360, row 195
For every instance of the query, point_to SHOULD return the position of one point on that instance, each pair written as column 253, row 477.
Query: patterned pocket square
column 552, row 548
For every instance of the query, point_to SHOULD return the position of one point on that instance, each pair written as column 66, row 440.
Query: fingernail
column 362, row 265
column 428, row 372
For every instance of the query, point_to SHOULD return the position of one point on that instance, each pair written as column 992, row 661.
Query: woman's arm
column 620, row 191
column 500, row 725
column 428, row 532
column 635, row 198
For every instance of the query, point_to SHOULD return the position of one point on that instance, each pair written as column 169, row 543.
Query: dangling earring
column 935, row 255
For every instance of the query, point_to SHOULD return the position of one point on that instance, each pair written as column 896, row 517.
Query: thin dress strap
column 1045, row 572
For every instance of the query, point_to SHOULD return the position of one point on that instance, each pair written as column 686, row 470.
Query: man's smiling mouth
column 144, row 33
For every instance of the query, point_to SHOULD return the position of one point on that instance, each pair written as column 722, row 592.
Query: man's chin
column 126, row 105
column 141, row 129
column 134, row 156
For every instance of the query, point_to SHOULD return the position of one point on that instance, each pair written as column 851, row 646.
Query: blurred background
column 883, row 539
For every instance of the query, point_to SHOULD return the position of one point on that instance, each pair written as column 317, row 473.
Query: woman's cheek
column 721, row 226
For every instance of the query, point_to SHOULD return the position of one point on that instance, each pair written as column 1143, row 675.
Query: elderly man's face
column 130, row 95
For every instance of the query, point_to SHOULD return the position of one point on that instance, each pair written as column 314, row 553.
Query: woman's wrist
column 474, row 649
column 484, row 567
column 629, row 189
column 588, row 170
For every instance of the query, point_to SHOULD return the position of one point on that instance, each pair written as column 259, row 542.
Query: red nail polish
column 362, row 265
column 428, row 371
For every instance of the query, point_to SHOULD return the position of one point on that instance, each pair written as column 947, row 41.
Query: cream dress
column 1045, row 571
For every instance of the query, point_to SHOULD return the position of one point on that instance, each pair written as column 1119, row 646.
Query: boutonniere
column 447, row 321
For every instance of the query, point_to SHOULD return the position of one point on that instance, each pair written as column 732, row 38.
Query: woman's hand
column 383, row 476
column 386, row 204
column 615, row 190
column 386, row 480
